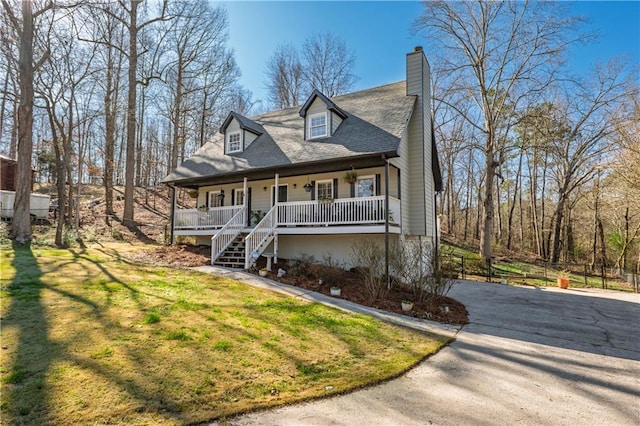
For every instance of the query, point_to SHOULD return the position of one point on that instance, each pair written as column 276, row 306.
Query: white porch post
column 275, row 199
column 275, row 217
column 244, row 204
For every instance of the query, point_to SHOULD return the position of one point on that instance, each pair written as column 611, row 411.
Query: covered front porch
column 343, row 215
column 241, row 219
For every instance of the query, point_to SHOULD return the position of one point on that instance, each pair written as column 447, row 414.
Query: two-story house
column 314, row 178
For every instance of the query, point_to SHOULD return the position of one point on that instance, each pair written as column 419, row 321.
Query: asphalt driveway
column 529, row 356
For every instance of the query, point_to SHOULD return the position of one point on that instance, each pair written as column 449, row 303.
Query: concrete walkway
column 530, row 356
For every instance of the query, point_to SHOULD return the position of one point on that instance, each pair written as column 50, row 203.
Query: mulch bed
column 350, row 285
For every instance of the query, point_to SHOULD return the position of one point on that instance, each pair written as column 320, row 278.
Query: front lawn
column 89, row 337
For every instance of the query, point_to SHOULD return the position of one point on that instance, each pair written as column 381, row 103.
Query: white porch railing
column 215, row 217
column 342, row 211
column 227, row 234
column 261, row 235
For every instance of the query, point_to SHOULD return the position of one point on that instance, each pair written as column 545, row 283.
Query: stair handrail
column 225, row 236
column 256, row 238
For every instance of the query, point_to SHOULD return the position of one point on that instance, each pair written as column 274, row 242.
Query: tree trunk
column 516, row 191
column 557, row 227
column 21, row 227
column 110, row 139
column 3, row 105
column 127, row 218
column 487, row 203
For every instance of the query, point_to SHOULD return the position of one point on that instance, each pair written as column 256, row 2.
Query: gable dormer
column 321, row 116
column 239, row 132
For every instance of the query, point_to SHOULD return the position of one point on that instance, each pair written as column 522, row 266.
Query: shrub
column 420, row 267
column 370, row 260
column 69, row 237
column 301, row 266
column 330, row 270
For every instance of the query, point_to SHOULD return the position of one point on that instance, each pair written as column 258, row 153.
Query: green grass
column 93, row 338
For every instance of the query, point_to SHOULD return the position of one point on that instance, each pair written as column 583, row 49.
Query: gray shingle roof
column 376, row 121
column 244, row 122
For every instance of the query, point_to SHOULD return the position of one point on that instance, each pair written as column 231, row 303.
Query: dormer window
column 317, row 125
column 322, row 117
column 234, row 142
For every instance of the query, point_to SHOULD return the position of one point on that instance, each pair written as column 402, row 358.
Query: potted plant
column 335, row 291
column 193, row 193
column 351, row 176
column 307, row 187
column 325, row 199
column 407, row 305
column 563, row 279
column 263, row 272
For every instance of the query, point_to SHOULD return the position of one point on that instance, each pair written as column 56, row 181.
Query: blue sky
column 379, row 32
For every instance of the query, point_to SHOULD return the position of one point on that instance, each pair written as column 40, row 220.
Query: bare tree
column 328, row 64
column 133, row 28
column 200, row 64
column 590, row 113
column 284, row 77
column 60, row 86
column 499, row 54
column 24, row 27
column 107, row 32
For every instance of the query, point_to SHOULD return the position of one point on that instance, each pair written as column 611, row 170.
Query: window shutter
column 352, row 189
column 313, row 190
column 233, row 197
column 206, row 199
column 399, row 187
column 221, row 200
column 378, row 189
column 335, row 188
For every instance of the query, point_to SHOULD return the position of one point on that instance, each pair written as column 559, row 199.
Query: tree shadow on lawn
column 27, row 395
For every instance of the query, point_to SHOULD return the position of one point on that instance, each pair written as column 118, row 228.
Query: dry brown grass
column 89, row 337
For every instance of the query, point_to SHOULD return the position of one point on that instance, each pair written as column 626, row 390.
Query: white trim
column 331, row 230
column 236, row 192
column 310, row 127
column 318, row 182
column 213, row 195
column 228, row 142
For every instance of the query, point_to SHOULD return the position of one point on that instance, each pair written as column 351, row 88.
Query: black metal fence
column 543, row 273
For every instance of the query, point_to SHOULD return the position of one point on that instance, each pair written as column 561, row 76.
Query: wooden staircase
column 233, row 256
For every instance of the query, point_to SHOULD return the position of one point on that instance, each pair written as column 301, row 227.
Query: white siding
column 316, row 107
column 248, row 138
column 338, row 246
column 335, row 122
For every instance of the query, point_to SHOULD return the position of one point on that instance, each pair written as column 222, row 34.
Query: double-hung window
column 317, row 125
column 215, row 199
column 324, row 190
column 234, row 142
column 239, row 197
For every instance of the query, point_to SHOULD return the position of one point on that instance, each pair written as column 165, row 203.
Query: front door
column 282, row 194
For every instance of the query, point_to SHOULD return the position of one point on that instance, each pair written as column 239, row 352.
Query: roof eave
column 297, row 169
